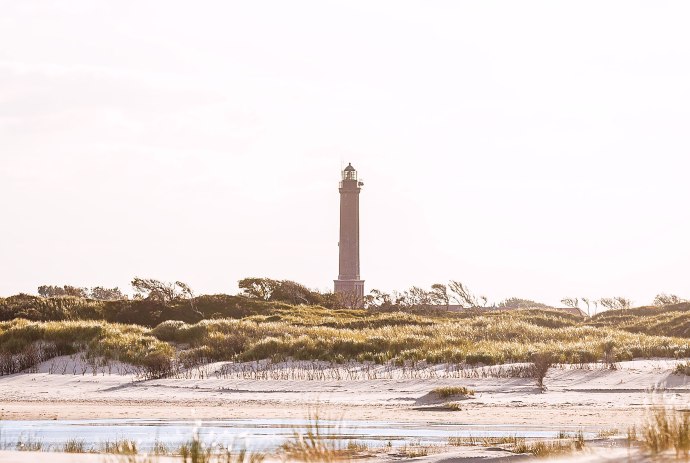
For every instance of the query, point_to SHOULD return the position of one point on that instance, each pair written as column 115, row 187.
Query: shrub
column 541, row 362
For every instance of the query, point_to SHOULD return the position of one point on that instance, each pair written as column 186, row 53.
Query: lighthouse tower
column 348, row 285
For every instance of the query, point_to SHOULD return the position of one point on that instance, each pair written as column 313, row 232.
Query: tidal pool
column 254, row 434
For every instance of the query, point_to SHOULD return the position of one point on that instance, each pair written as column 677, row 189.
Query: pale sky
column 529, row 149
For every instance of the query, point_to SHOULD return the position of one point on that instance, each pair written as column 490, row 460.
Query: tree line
column 439, row 296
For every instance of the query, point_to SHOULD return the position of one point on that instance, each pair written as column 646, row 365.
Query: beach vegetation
column 682, row 368
column 546, row 448
column 74, row 446
column 196, row 451
column 163, row 337
column 452, row 406
column 120, row 447
column 664, row 429
column 313, row 443
column 541, row 363
column 414, row 451
column 460, row 441
column 453, row 391
column 607, row 433
column 29, row 444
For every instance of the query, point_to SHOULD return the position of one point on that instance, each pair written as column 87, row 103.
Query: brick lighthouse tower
column 348, row 284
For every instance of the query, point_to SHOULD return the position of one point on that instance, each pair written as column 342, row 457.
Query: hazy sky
column 529, row 149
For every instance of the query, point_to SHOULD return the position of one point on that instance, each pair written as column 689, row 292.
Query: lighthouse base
column 350, row 292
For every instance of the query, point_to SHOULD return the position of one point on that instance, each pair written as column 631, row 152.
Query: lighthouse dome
column 349, row 168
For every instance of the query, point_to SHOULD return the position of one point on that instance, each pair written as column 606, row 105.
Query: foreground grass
column 563, row 444
column 664, row 429
column 315, row 333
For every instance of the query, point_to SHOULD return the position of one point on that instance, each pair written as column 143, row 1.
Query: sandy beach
column 592, row 396
column 577, row 397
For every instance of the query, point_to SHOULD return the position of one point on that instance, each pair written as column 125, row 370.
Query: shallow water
column 257, row 434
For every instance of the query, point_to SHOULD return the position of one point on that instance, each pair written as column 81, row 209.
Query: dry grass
column 564, row 443
column 414, row 451
column 74, row 446
column 453, row 391
column 29, row 444
column 313, row 443
column 606, row 433
column 547, row 448
column 195, row 451
column 338, row 336
column 484, row 441
column 666, row 429
column 682, row 368
column 120, row 447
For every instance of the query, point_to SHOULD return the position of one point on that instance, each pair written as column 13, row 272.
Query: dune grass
column 120, row 447
column 312, row 444
column 664, row 429
column 74, row 446
column 564, row 443
column 544, row 448
column 29, row 444
column 452, row 391
column 315, row 333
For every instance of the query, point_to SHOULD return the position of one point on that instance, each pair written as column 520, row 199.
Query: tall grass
column 120, row 447
column 74, row 446
column 665, row 429
column 312, row 443
column 315, row 333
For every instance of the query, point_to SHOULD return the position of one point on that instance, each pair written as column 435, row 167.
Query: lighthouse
column 348, row 285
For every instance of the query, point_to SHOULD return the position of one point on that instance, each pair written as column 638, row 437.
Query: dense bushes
column 145, row 312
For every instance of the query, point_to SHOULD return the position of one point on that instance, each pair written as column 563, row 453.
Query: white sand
column 575, row 397
column 591, row 398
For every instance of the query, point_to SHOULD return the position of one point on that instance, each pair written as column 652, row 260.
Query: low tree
column 66, row 290
column 587, row 302
column 464, row 297
column 615, row 303
column 541, row 363
column 148, row 288
column 258, row 288
column 662, row 300
column 517, row 303
column 287, row 291
column 572, row 302
column 439, row 295
column 378, row 300
column 106, row 294
column 294, row 293
column 163, row 292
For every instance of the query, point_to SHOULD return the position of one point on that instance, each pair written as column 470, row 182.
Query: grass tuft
column 120, row 447
column 74, row 446
column 447, row 392
column 665, row 429
column 312, row 444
